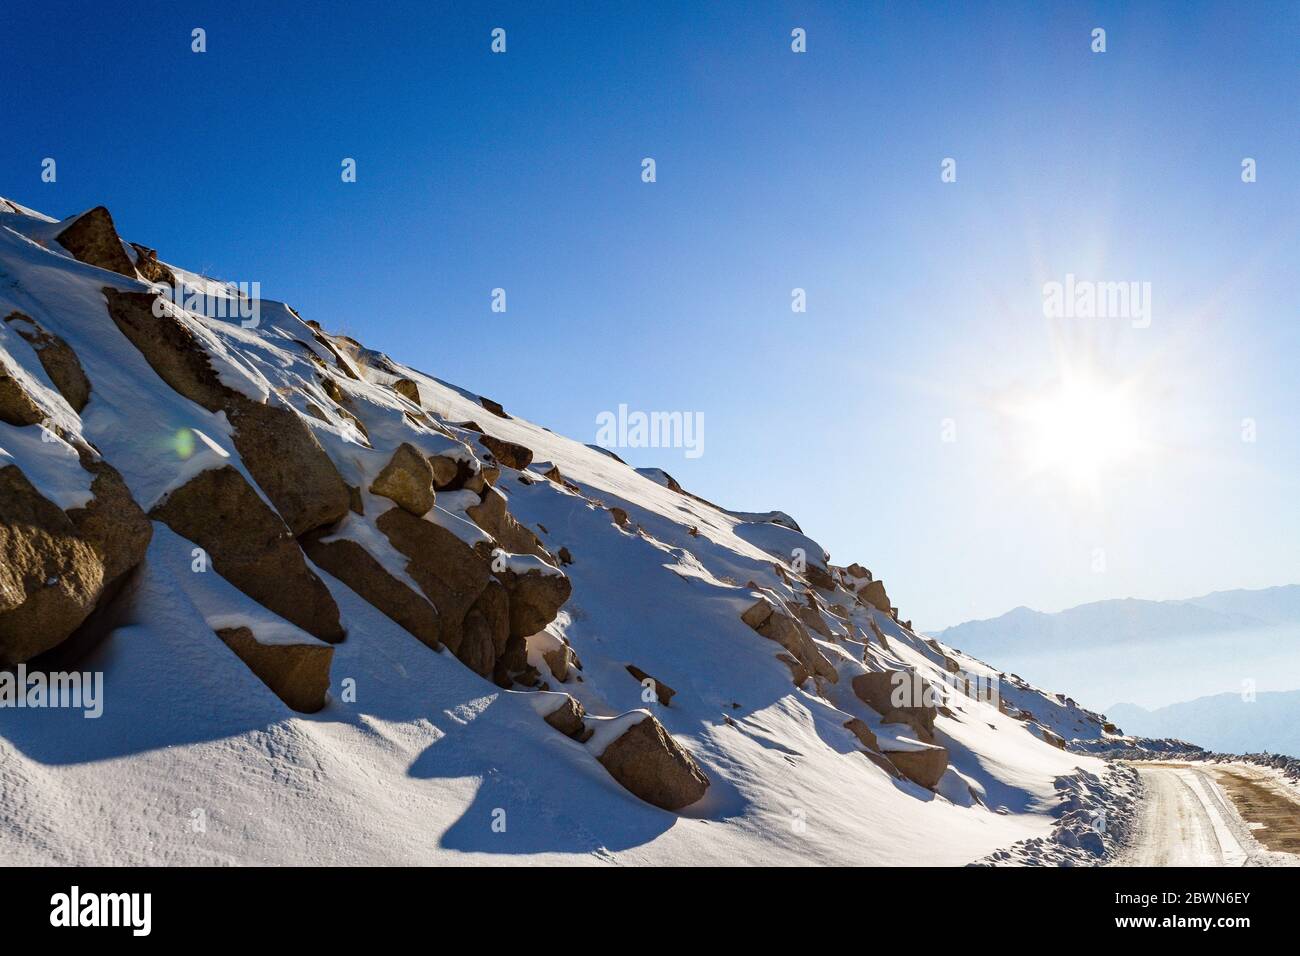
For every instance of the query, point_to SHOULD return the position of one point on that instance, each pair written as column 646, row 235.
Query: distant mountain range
column 1224, row 722
column 1126, row 620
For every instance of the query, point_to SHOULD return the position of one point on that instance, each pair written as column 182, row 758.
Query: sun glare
column 1079, row 430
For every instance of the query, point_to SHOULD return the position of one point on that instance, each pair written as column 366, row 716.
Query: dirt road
column 1214, row 815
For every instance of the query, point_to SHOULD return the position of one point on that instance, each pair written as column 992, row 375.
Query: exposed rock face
column 299, row 674
column 925, row 766
column 648, row 762
column 535, row 599
column 856, row 570
column 874, row 594
column 57, row 358
column 50, row 578
column 819, row 578
column 407, row 479
column 288, row 464
column 407, row 389
column 276, row 446
column 92, row 238
column 250, row 547
column 16, row 406
column 568, row 719
column 491, row 515
column 111, row 522
column 485, row 636
column 663, row 692
column 561, row 662
column 493, row 407
column 896, row 697
column 789, row 633
column 150, row 269
column 473, row 607
column 357, row 568
column 864, row 734
column 445, row 470
column 509, row 453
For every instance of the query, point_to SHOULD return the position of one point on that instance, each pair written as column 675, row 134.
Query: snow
column 415, row 768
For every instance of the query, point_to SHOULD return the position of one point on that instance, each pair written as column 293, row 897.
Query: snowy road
column 1188, row 819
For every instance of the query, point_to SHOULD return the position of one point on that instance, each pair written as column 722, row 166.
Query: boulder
column 777, row 626
column 619, row 516
column 358, row 569
column 473, row 607
column 535, row 599
column 925, row 766
column 92, row 238
column 864, row 733
column 568, row 720
column 299, row 674
column 50, row 578
column 251, row 548
column 492, row 516
column 16, row 406
column 856, row 570
column 900, row 698
column 493, row 407
column 662, row 691
column 561, row 661
column 57, row 358
column 150, row 269
column 111, row 522
column 407, row 479
column 445, row 470
column 288, row 463
column 485, row 634
column 407, row 389
column 874, row 594
column 509, row 453
column 648, row 762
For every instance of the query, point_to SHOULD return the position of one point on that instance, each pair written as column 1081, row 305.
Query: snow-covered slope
column 752, row 650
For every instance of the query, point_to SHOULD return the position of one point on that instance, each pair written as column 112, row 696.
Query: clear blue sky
column 775, row 170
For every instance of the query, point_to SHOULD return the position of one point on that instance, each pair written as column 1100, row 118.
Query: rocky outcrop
column 57, row 358
column 492, row 516
column 251, row 548
column 493, row 407
column 925, row 765
column 150, row 269
column 276, row 445
column 57, row 567
column 777, row 626
column 92, row 238
column 299, row 674
column 899, row 697
column 50, row 578
column 407, row 389
column 535, row 598
column 874, row 594
column 407, row 479
column 358, row 569
column 648, row 762
column 568, row 720
column 510, row 454
column 445, row 470
column 473, row 607
column 16, row 406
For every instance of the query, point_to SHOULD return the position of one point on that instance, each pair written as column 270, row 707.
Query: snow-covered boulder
column 407, row 479
column 646, row 760
column 251, row 548
column 298, row 671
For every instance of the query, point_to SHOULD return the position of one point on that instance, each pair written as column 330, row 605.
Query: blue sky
column 775, row 170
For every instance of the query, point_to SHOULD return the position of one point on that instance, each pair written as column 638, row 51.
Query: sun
column 1080, row 429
